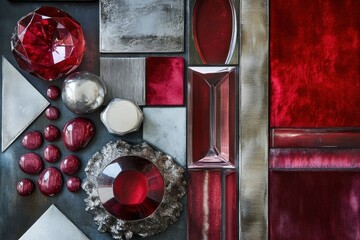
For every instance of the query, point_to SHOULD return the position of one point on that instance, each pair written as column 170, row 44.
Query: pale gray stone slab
column 21, row 104
column 165, row 129
column 141, row 26
column 124, row 78
column 53, row 225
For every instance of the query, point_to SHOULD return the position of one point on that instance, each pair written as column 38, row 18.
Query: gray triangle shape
column 21, row 104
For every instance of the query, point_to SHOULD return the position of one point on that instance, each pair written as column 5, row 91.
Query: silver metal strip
column 254, row 120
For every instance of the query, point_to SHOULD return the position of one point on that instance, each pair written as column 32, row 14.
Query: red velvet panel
column 315, row 63
column 314, row 205
column 164, row 81
column 204, row 205
column 314, row 158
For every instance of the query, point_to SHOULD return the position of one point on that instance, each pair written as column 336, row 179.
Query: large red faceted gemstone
column 131, row 188
column 77, row 133
column 48, row 43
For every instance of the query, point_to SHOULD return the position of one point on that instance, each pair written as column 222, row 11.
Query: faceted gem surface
column 53, row 92
column 52, row 113
column 48, row 43
column 77, row 133
column 30, row 163
column 25, row 187
column 51, row 133
column 70, row 165
column 32, row 140
column 131, row 188
column 51, row 153
column 73, row 184
column 50, row 181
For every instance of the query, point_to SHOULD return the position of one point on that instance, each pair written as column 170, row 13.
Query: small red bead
column 51, row 133
column 73, row 184
column 51, row 153
column 50, row 181
column 53, row 92
column 52, row 113
column 25, row 187
column 30, row 163
column 70, row 165
column 32, row 140
column 77, row 133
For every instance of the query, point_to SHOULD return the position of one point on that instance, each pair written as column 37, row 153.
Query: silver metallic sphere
column 83, row 92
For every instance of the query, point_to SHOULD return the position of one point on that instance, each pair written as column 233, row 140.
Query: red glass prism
column 131, row 188
column 211, row 117
column 314, row 205
column 214, row 30
column 164, row 81
column 48, row 43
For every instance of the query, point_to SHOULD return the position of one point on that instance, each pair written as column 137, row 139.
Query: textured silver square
column 53, row 225
column 124, row 78
column 165, row 129
column 21, row 104
column 141, row 26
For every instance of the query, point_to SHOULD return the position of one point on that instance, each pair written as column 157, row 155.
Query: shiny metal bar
column 253, row 120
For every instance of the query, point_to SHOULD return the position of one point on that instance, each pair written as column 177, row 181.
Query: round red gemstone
column 25, row 187
column 52, row 113
column 131, row 188
column 77, row 133
column 30, row 163
column 51, row 133
column 70, row 165
column 51, row 153
column 73, row 184
column 48, row 43
column 50, row 181
column 53, row 92
column 32, row 140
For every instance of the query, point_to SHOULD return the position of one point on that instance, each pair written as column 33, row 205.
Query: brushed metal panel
column 124, row 78
column 141, row 26
column 254, row 120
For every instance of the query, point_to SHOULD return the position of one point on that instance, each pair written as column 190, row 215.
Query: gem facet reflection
column 131, row 188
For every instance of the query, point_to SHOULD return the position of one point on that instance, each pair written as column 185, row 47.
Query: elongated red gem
column 77, row 133
column 50, row 181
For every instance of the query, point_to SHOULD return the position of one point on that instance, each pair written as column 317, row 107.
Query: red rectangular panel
column 204, row 205
column 164, row 81
column 314, row 63
column 231, row 224
column 314, row 205
column 314, row 158
column 211, row 117
column 311, row 138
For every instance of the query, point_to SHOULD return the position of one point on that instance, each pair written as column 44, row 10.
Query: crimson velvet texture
column 315, row 63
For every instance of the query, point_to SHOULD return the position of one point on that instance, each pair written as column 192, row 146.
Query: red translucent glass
column 48, row 43
column 318, row 205
column 309, row 138
column 314, row 63
column 231, row 224
column 131, row 188
column 204, row 205
column 212, row 115
column 214, row 30
column 164, row 81
column 314, row 158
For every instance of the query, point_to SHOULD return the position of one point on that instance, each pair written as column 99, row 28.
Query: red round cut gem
column 51, row 153
column 30, row 163
column 48, row 43
column 50, row 181
column 52, row 113
column 53, row 92
column 73, row 184
column 32, row 140
column 25, row 187
column 131, row 188
column 51, row 133
column 77, row 133
column 70, row 165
